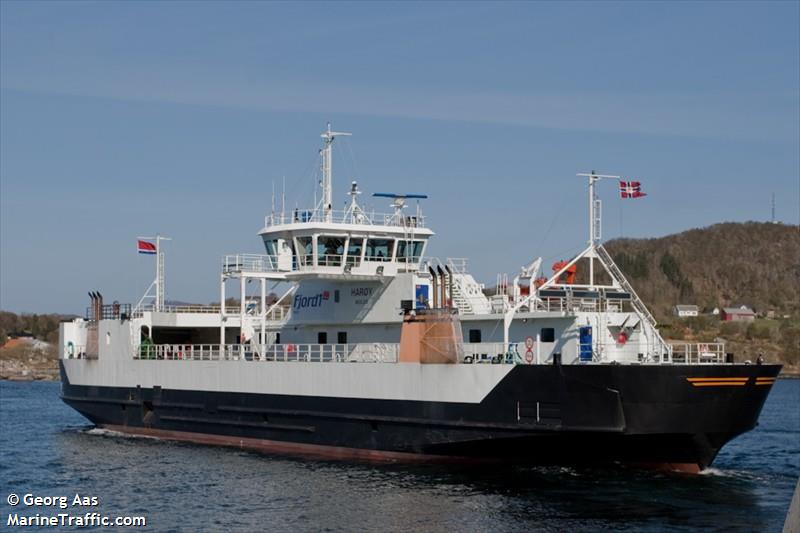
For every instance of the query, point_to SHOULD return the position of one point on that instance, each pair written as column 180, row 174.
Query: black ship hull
column 665, row 416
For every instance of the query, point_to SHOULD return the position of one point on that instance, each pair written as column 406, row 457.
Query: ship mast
column 158, row 283
column 595, row 219
column 327, row 171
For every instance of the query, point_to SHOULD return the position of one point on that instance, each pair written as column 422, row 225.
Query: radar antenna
column 399, row 202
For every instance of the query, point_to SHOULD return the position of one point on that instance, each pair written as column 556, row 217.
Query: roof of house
column 743, row 310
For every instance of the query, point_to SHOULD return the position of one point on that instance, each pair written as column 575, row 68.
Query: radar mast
column 327, row 171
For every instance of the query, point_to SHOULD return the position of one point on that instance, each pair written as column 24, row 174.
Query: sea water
column 48, row 450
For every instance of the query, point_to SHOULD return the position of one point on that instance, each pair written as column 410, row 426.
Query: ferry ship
column 375, row 351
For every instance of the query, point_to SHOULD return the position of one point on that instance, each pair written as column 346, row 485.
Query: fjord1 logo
column 304, row 302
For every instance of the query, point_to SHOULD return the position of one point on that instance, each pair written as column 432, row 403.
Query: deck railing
column 251, row 309
column 475, row 353
column 249, row 263
column 320, row 353
column 108, row 311
column 299, row 216
column 698, row 352
column 590, row 305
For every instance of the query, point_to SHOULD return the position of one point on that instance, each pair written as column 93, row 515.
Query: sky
column 120, row 119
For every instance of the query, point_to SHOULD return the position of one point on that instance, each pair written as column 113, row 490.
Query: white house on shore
column 682, row 310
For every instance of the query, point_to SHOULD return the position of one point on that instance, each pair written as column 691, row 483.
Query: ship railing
column 180, row 309
column 249, row 263
column 368, row 218
column 277, row 314
column 108, row 311
column 458, row 264
column 320, row 353
column 323, row 260
column 677, row 353
column 529, row 353
column 588, row 305
column 698, row 352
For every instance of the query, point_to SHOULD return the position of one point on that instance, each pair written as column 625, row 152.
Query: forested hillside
column 730, row 264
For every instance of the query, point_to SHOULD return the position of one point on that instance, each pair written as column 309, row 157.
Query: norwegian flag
column 631, row 189
column 145, row 247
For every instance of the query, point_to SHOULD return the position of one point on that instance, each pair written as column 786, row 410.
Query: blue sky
column 120, row 119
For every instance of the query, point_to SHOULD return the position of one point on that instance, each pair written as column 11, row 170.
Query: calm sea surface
column 48, row 449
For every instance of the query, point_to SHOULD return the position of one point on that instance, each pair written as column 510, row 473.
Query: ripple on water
column 48, row 447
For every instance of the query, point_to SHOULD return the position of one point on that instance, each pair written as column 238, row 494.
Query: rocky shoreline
column 38, row 368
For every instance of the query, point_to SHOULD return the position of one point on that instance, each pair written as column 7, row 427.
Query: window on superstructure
column 380, row 249
column 409, row 251
column 474, row 335
column 294, row 255
column 547, row 335
column 305, row 251
column 354, row 250
column 272, row 252
column 330, row 251
column 272, row 246
column 341, row 337
column 322, row 337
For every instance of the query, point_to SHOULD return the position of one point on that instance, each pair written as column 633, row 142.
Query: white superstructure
column 348, row 277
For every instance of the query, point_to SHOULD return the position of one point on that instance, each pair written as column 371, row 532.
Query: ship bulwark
column 579, row 414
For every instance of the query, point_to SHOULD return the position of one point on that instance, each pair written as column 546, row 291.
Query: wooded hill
column 730, row 264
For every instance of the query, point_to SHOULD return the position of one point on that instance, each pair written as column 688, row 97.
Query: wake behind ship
column 363, row 355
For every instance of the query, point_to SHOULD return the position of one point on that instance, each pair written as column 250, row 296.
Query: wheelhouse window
column 330, row 250
column 380, row 249
column 272, row 246
column 354, row 251
column 409, row 251
column 305, row 251
column 272, row 252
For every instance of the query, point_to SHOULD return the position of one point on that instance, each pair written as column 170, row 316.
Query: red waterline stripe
column 297, row 448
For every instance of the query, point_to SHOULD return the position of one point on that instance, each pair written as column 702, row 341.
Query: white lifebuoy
column 70, row 349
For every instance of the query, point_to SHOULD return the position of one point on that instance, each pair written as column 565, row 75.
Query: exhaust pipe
column 442, row 287
column 450, row 283
column 92, row 305
column 96, row 305
column 435, row 287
